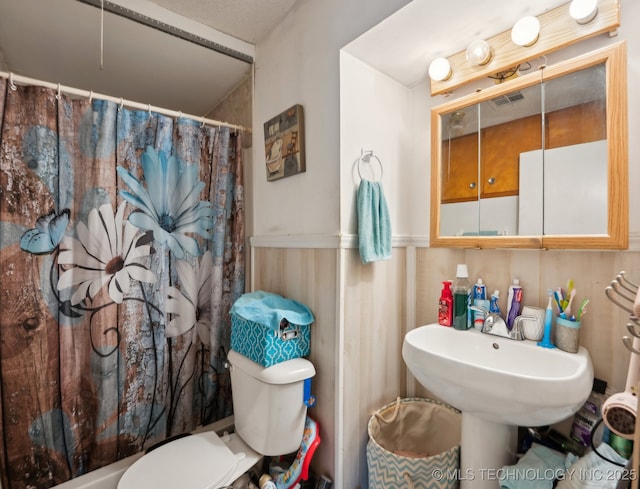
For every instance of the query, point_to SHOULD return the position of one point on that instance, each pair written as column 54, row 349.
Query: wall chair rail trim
column 333, row 241
column 348, row 241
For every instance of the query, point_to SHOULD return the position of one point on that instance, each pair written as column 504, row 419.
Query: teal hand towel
column 537, row 469
column 374, row 224
column 270, row 309
column 594, row 472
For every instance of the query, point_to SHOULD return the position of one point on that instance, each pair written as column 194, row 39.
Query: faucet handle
column 485, row 315
column 484, row 312
column 517, row 332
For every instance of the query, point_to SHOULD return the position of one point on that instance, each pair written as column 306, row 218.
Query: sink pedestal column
column 485, row 447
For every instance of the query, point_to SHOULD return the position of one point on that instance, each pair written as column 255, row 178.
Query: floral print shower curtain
column 121, row 252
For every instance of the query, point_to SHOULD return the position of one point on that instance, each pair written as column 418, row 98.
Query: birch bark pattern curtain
column 121, row 252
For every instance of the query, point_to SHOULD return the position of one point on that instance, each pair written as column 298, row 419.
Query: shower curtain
column 121, row 252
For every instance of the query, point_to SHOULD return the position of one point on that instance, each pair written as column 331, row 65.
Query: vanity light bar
column 557, row 30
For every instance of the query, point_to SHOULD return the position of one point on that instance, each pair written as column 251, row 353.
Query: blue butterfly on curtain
column 47, row 234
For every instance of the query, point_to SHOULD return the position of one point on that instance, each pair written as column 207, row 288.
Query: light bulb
column 440, row 69
column 583, row 11
column 456, row 122
column 525, row 32
column 478, row 52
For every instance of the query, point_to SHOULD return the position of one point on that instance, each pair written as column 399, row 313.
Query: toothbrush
column 558, row 298
column 548, row 320
column 567, row 309
column 583, row 309
column 565, row 299
column 570, row 284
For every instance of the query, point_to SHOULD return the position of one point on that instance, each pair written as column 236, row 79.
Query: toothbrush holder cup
column 567, row 335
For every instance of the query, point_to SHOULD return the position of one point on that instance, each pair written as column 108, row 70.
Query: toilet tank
column 268, row 403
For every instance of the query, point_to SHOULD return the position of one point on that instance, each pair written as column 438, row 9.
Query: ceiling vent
column 508, row 98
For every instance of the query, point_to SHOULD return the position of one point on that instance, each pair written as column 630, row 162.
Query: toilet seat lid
column 200, row 461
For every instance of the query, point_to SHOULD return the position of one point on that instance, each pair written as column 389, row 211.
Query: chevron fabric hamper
column 414, row 443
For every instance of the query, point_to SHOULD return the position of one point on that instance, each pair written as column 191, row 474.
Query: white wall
column 299, row 63
column 373, row 117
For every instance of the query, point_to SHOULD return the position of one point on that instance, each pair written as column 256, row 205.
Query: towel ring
column 365, row 156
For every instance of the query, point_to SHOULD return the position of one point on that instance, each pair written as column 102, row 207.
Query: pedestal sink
column 498, row 384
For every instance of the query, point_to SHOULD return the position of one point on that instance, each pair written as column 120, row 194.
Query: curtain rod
column 147, row 21
column 122, row 102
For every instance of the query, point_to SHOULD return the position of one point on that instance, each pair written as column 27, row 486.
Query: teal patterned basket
column 266, row 346
column 414, row 444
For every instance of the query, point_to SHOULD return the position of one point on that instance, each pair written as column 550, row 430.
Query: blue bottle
column 493, row 305
column 480, row 301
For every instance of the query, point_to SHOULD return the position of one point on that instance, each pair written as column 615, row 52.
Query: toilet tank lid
column 287, row 372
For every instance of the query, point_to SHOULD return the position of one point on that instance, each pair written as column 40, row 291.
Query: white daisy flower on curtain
column 169, row 205
column 191, row 304
column 106, row 253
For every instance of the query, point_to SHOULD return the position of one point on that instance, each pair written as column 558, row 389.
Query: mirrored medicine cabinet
column 539, row 161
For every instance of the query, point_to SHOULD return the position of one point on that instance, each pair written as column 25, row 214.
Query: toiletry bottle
column 445, row 305
column 494, row 307
column 461, row 291
column 266, row 482
column 514, row 301
column 589, row 414
column 481, row 302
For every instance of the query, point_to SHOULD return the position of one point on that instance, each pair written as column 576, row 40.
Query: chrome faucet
column 495, row 325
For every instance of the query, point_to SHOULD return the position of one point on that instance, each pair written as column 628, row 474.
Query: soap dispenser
column 445, row 305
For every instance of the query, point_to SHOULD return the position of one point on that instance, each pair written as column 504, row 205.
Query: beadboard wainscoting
column 602, row 327
column 363, row 312
column 309, row 275
column 374, row 326
column 356, row 340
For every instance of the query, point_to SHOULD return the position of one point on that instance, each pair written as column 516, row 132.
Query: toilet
column 270, row 409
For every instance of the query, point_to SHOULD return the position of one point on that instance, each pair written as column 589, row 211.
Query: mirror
column 539, row 161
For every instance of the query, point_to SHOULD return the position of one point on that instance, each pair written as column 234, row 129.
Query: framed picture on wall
column 284, row 144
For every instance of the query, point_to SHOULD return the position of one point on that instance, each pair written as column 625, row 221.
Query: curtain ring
column 12, row 85
column 149, row 107
column 202, row 125
column 179, row 116
column 121, row 104
column 91, row 96
column 59, row 94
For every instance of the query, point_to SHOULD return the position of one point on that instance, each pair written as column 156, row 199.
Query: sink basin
column 498, row 379
column 498, row 384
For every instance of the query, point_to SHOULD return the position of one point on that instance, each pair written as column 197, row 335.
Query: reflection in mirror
column 541, row 163
column 575, row 153
column 511, row 124
column 460, row 173
column 487, row 161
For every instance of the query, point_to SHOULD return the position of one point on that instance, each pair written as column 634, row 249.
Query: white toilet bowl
column 201, row 461
column 269, row 416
